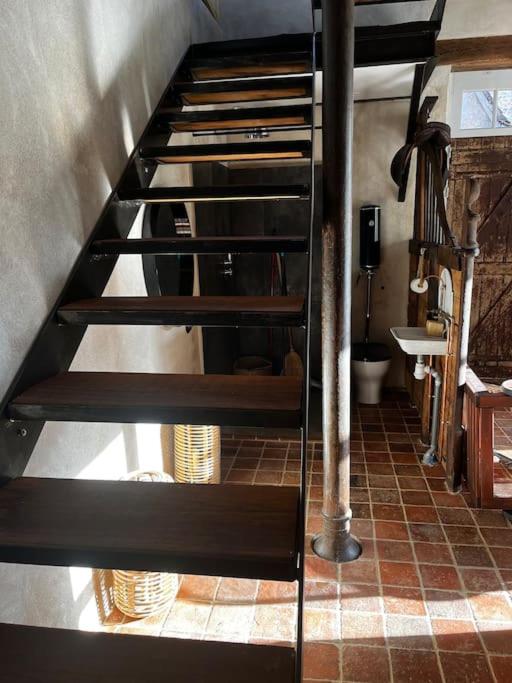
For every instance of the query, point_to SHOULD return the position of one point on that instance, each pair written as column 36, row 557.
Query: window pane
column 477, row 109
column 504, row 113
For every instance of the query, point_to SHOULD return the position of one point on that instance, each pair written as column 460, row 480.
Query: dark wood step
column 202, row 245
column 226, row 400
column 253, row 151
column 232, row 119
column 206, row 311
column 221, row 530
column 250, row 90
column 202, row 69
column 45, row 655
column 216, row 193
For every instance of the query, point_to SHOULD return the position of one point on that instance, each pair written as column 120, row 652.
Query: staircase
column 223, row 530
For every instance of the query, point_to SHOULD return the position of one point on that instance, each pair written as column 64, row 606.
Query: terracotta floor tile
column 277, row 592
column 321, row 595
column 399, row 574
column 465, row 668
column 448, row 500
column 497, row 537
column 246, row 463
column 457, row 516
column 506, row 577
column 480, row 580
column 416, row 498
column 360, row 495
column 381, row 481
column 496, row 636
column 502, row 667
column 362, row 571
column 412, row 483
column 437, row 485
column 456, row 635
column 407, row 601
column 320, row 570
column 490, row 518
column 362, row 528
column 404, row 458
column 361, row 511
column 321, row 662
column 502, row 557
column 291, row 479
column 395, row 551
column 188, row 617
column 421, row 513
column 202, row 588
column 240, row 477
column 392, row 531
column 472, row 556
column 428, row 533
column 365, row 664
column 491, row 606
column 433, row 553
column 272, row 478
column 271, row 465
column 407, row 663
column 388, row 512
column 321, row 624
column 463, row 535
column 272, row 621
column 387, row 496
column 231, row 620
column 366, row 629
column 237, row 591
column 361, row 598
column 439, row 576
column 380, row 468
column 447, row 605
column 408, row 633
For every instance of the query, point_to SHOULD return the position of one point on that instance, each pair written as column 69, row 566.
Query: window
column 481, row 103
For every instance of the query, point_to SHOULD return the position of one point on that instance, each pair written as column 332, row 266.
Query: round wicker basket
column 140, row 594
column 196, row 454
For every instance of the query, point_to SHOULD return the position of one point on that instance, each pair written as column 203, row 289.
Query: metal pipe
column 368, row 321
column 335, row 542
column 470, row 251
column 430, row 457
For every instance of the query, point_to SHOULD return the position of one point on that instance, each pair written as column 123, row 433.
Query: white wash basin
column 416, row 342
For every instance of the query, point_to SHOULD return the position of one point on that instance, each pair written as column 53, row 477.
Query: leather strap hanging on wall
column 435, row 139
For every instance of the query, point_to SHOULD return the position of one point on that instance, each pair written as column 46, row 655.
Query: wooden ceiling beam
column 471, row 54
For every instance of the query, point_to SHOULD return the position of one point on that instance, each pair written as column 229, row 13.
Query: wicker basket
column 140, row 594
column 196, row 454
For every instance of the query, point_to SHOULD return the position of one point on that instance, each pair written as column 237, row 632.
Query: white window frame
column 468, row 81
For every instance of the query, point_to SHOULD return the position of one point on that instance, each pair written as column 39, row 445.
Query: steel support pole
column 335, row 542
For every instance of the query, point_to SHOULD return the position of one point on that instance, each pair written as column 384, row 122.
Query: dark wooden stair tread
column 44, row 655
column 249, row 90
column 222, row 311
column 257, row 244
column 216, row 193
column 217, row 530
column 294, row 149
column 227, row 119
column 228, row 400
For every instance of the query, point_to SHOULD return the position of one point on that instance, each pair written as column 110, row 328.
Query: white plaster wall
column 474, row 18
column 78, row 81
column 379, row 131
column 248, row 19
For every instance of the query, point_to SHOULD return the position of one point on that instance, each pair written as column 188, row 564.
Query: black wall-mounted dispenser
column 369, row 246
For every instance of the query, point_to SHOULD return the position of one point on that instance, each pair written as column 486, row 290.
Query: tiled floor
column 429, row 601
